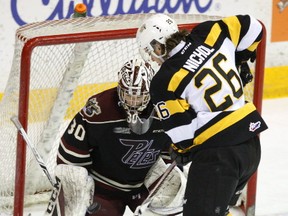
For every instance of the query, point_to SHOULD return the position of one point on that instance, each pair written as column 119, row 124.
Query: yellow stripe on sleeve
column 177, row 106
column 234, row 28
column 253, row 46
column 213, row 35
column 176, row 79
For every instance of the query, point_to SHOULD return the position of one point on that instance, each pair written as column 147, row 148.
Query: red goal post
column 57, row 65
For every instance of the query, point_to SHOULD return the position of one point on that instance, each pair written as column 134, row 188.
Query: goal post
column 57, row 66
column 258, row 82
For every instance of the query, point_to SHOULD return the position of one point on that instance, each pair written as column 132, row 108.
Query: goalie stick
column 56, row 184
column 145, row 204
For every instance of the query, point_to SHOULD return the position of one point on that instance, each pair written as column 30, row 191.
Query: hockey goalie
column 116, row 138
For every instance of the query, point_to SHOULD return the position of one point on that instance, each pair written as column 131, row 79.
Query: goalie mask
column 152, row 35
column 133, row 88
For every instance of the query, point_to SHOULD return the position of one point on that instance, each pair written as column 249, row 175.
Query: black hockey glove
column 180, row 156
column 241, row 63
column 245, row 73
column 245, row 56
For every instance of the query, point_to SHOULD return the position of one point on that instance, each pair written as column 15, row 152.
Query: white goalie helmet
column 133, row 87
column 152, row 35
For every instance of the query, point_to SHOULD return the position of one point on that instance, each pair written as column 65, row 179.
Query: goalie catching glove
column 182, row 157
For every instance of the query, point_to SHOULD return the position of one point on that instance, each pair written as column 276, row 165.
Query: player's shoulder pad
column 103, row 107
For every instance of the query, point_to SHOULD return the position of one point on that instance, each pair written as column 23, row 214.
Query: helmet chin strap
column 139, row 125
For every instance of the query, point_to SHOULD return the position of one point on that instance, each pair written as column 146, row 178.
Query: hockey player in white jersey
column 198, row 93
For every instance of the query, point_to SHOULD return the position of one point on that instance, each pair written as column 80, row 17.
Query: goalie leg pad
column 78, row 188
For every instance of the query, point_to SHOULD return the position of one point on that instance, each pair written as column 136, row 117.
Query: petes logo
column 254, row 126
column 141, row 154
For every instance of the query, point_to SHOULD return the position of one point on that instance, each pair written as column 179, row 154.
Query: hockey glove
column 182, row 157
column 241, row 63
column 245, row 56
column 245, row 73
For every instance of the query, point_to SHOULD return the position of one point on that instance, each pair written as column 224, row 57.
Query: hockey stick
column 56, row 184
column 145, row 204
column 38, row 157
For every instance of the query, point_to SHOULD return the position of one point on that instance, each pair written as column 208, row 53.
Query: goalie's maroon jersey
column 99, row 139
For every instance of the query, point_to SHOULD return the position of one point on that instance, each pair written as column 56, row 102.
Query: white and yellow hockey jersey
column 198, row 91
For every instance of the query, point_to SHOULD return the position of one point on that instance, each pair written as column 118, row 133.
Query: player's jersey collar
column 177, row 48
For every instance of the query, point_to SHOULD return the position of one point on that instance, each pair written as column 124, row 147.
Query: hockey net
column 57, row 66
